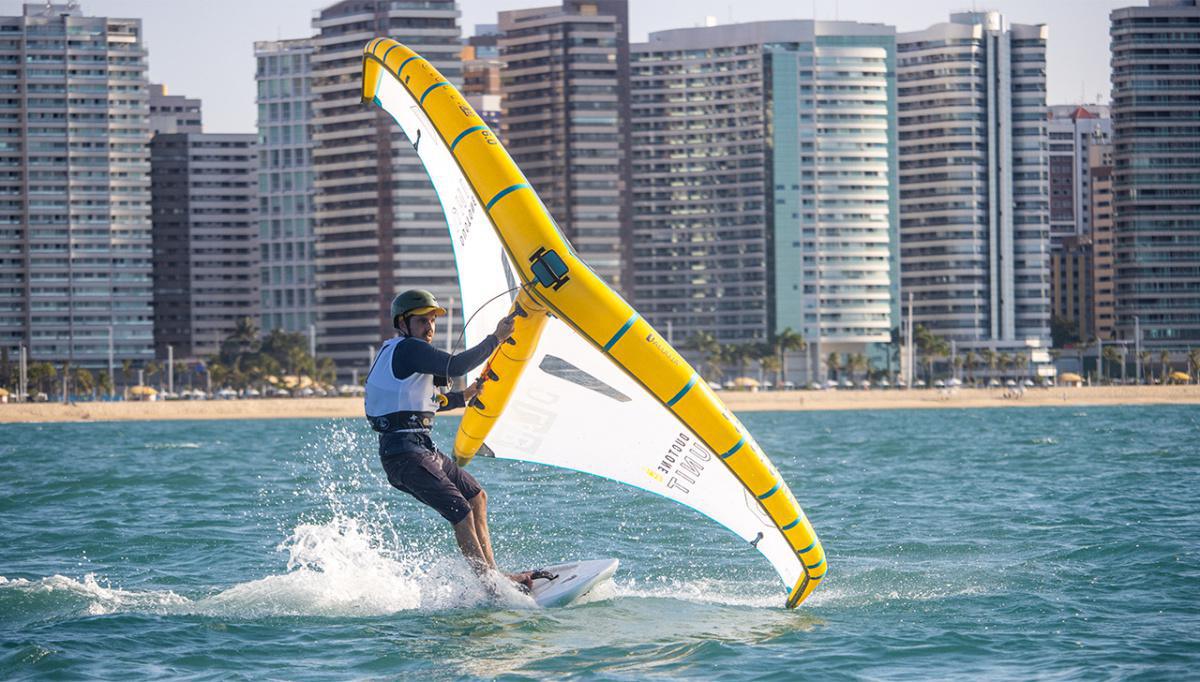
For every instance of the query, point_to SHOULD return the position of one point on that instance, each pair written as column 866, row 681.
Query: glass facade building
column 1156, row 172
column 764, row 194
column 285, row 185
column 835, row 219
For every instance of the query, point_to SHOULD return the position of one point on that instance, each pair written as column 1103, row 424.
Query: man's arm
column 454, row 400
column 420, row 357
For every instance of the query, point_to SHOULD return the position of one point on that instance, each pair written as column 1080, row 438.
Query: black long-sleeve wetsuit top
column 417, row 356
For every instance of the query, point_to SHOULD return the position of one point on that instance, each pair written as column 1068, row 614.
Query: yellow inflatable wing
column 585, row 383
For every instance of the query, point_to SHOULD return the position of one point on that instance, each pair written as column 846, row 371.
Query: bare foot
column 523, row 580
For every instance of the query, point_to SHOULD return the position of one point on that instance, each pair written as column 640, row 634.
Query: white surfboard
column 571, row 581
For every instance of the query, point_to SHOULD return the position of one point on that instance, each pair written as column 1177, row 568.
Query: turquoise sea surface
column 1056, row 543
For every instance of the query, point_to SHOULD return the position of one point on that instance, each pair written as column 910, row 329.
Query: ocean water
column 1058, row 543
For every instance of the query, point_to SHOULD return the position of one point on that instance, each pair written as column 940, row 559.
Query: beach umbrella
column 745, row 382
column 1175, row 376
column 293, row 381
column 142, row 391
column 3, row 392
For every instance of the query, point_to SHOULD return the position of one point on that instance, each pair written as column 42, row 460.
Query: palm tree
column 85, row 382
column 6, row 369
column 858, row 363
column 1005, row 361
column 989, row 359
column 295, row 360
column 41, row 376
column 245, row 333
column 931, row 347
column 152, row 368
column 1112, row 355
column 1164, row 359
column 1021, row 362
column 1144, row 358
column 104, row 383
column 218, row 373
column 1081, row 350
column 834, row 363
column 785, row 342
column 706, row 344
column 1194, row 361
column 740, row 354
column 971, row 361
column 326, row 371
column 770, row 364
column 181, row 371
column 127, row 371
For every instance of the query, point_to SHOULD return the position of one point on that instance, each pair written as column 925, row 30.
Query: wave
column 333, row 570
column 339, row 569
column 172, row 446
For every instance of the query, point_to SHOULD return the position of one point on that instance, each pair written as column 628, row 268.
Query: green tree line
column 244, row 361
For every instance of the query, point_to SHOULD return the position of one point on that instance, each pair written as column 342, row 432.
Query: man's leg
column 471, row 547
column 479, row 516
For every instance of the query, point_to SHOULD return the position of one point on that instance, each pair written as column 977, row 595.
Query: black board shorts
column 415, row 465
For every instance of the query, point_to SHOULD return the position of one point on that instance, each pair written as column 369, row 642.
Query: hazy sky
column 205, row 48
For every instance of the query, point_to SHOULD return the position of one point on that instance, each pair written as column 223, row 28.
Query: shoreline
column 738, row 401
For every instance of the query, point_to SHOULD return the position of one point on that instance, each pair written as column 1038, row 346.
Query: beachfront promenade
column 739, row 401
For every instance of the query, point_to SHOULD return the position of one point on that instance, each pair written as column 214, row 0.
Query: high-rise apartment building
column 565, row 112
column 1156, row 173
column 764, row 160
column 481, row 74
column 75, row 251
column 700, row 182
column 173, row 113
column 1073, row 131
column 378, row 224
column 1103, row 274
column 285, row 184
column 974, row 194
column 206, row 267
column 1070, row 286
column 834, row 219
column 1081, row 273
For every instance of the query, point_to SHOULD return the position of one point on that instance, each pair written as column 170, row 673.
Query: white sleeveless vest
column 399, row 405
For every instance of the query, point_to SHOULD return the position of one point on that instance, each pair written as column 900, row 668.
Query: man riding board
column 401, row 398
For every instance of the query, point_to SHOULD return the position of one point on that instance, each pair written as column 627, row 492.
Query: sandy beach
column 316, row 408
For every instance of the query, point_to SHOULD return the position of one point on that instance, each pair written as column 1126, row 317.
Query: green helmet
column 415, row 302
